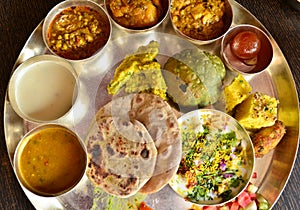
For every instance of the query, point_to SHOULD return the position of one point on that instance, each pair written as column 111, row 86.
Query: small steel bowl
column 50, row 160
column 234, row 63
column 131, row 28
column 80, row 42
column 194, row 34
column 43, row 89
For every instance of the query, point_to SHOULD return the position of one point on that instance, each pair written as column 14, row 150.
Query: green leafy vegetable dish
column 218, row 158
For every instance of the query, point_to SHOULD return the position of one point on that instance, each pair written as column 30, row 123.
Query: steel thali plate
column 272, row 171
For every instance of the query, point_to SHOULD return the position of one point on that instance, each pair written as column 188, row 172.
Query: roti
column 161, row 123
column 121, row 155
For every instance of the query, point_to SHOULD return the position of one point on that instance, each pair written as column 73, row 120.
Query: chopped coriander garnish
column 211, row 163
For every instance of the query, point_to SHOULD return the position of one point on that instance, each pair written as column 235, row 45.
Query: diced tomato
column 252, row 196
column 144, row 206
column 254, row 175
column 244, row 199
column 234, row 206
column 229, row 203
column 209, row 208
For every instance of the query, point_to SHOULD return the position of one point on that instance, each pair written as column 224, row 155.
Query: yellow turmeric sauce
column 52, row 161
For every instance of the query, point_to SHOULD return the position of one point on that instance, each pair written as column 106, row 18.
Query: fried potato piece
column 257, row 111
column 266, row 139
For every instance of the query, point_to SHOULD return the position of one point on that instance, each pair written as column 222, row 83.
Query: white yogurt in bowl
column 43, row 88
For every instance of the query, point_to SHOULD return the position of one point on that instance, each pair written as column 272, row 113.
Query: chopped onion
column 223, row 165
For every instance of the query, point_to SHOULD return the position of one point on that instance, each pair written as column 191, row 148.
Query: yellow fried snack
column 236, row 92
column 149, row 78
column 266, row 139
column 257, row 111
column 140, row 72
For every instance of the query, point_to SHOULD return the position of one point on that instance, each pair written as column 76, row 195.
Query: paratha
column 121, row 155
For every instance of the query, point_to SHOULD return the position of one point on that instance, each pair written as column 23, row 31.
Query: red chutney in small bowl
column 77, row 32
column 50, row 160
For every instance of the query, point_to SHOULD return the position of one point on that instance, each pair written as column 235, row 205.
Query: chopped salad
column 211, row 164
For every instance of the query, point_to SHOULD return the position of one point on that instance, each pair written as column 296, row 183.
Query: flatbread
column 119, row 106
column 121, row 155
column 161, row 123
column 160, row 120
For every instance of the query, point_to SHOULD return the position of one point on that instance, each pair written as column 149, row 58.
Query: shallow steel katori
column 164, row 8
column 272, row 171
column 38, row 80
column 207, row 39
column 66, row 5
column 262, row 60
column 64, row 177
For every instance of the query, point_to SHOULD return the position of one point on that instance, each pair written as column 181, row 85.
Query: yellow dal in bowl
column 51, row 160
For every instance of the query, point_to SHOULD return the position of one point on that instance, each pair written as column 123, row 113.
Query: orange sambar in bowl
column 50, row 160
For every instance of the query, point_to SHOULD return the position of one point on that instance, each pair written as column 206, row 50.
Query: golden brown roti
column 122, row 155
